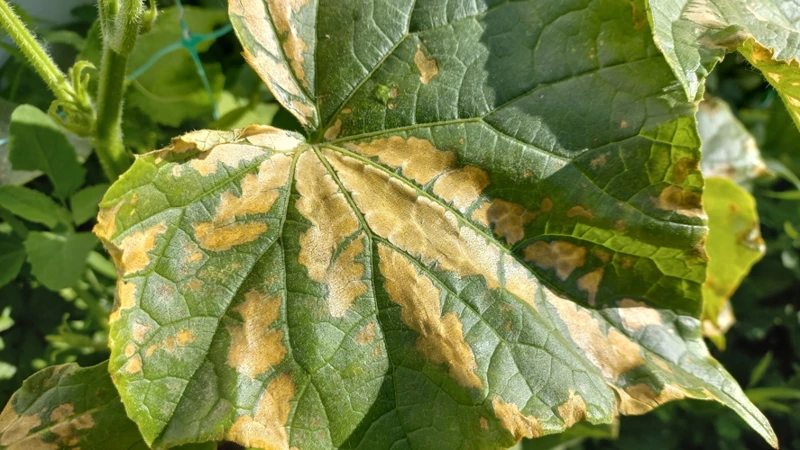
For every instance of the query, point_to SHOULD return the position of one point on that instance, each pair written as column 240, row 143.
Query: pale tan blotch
column 484, row 423
column 563, row 256
column 258, row 195
column 230, row 155
column 637, row 315
column 67, row 432
column 591, row 283
column 661, row 363
column 61, row 412
column 579, row 211
column 508, row 219
column 514, row 421
column 424, row 228
column 135, row 248
column 613, row 353
column 683, row 201
column 305, row 110
column 461, row 186
column 367, row 334
column 441, row 337
column 573, row 410
column 133, row 365
column 519, row 281
column 14, row 428
column 266, row 428
column 139, row 331
column 427, row 66
column 333, row 131
column 332, row 221
column 126, row 299
column 267, row 136
column 417, row 158
column 106, row 224
column 640, row 398
column 130, row 349
column 186, row 337
column 255, row 346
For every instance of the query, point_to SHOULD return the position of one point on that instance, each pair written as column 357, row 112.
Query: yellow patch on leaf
column 255, row 347
column 441, row 337
column 417, row 158
column 573, row 410
column 134, row 248
column 367, row 334
column 266, row 428
column 514, row 421
column 133, row 365
column 640, row 398
column 126, row 299
column 427, row 66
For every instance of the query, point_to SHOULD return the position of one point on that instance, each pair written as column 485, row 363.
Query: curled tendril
column 73, row 108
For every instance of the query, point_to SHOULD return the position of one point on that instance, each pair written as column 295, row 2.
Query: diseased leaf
column 695, row 34
column 729, row 150
column 730, row 162
column 58, row 260
column 64, row 407
column 494, row 230
column 36, row 143
column 734, row 245
column 32, row 205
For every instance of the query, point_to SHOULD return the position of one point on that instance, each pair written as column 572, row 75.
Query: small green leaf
column 84, row 203
column 66, row 407
column 33, row 206
column 171, row 91
column 734, row 244
column 58, row 260
column 12, row 256
column 36, row 143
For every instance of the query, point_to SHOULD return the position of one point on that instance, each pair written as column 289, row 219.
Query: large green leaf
column 65, row 406
column 493, row 230
column 695, row 34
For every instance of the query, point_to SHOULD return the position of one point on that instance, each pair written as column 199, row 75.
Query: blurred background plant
column 185, row 72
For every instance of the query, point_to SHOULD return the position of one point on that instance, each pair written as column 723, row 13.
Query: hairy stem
column 30, row 47
column 108, row 132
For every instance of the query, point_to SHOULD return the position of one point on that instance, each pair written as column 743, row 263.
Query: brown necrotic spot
column 509, row 219
column 67, row 433
column 441, row 337
column 417, row 158
column 580, row 211
column 683, row 201
column 683, row 168
column 612, row 353
column 230, row 155
column 637, row 315
column 427, row 66
column 259, row 192
column 14, row 428
column 333, row 131
column 514, row 421
column 640, row 398
column 332, row 221
column 590, row 283
column 573, row 410
column 255, row 346
column 135, row 248
column 562, row 256
column 266, row 428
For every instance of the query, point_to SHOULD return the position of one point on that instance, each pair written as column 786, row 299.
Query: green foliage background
column 40, row 327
